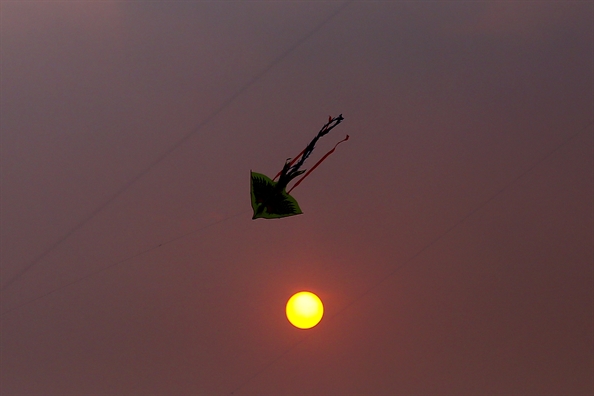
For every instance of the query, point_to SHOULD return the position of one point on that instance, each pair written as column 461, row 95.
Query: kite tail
column 302, row 156
column 291, row 163
column 318, row 163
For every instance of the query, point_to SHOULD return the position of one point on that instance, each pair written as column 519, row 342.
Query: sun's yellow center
column 304, row 310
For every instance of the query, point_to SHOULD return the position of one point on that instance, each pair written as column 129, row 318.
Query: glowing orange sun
column 304, row 310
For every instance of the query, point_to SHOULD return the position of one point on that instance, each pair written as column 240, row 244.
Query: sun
column 304, row 310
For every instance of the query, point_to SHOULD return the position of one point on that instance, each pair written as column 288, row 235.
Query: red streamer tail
column 317, row 163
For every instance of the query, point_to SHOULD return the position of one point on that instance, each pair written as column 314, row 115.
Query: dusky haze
column 450, row 239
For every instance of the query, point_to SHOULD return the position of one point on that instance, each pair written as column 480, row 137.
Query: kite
column 270, row 199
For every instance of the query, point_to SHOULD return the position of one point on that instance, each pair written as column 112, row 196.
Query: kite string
column 255, row 79
column 119, row 262
column 318, row 163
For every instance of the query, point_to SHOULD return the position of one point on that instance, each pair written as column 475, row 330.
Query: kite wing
column 269, row 201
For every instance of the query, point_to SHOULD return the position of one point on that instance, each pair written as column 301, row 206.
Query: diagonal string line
column 173, row 148
column 472, row 212
column 421, row 251
column 119, row 262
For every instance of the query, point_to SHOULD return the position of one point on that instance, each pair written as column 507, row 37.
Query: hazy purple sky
column 451, row 239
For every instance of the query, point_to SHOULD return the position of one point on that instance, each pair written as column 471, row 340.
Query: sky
column 450, row 239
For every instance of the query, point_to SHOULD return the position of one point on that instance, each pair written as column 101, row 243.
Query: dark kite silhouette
column 270, row 199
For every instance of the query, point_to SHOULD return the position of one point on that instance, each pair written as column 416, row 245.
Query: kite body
column 270, row 199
